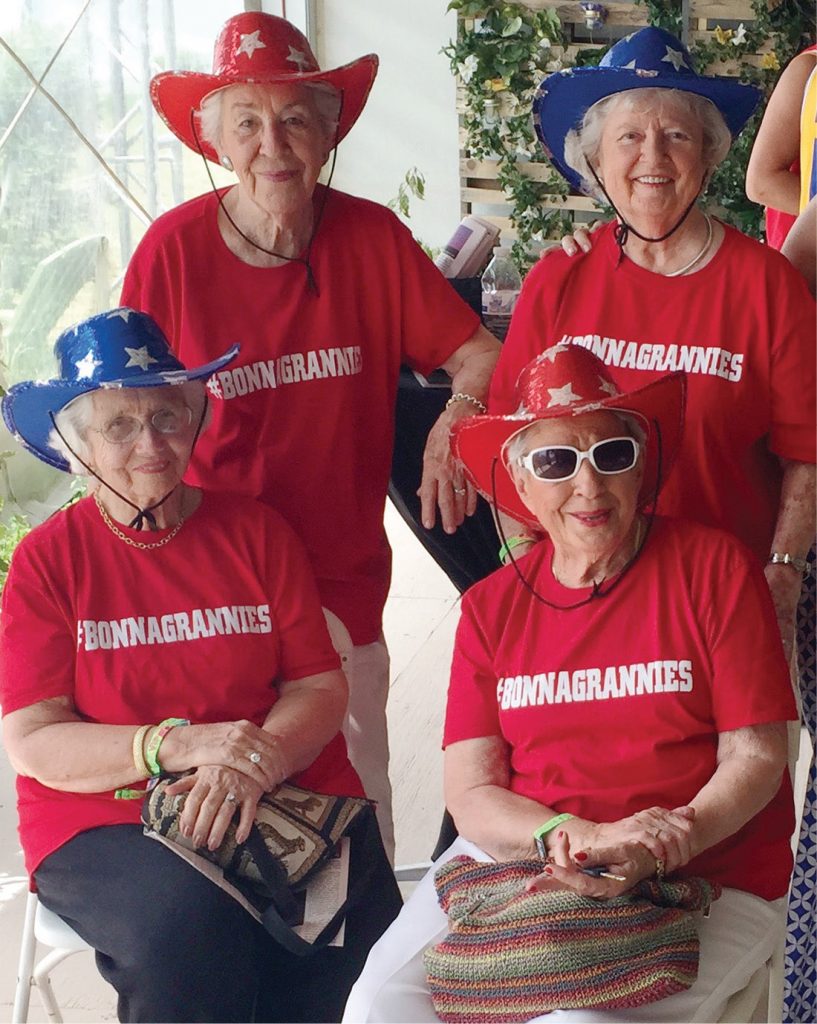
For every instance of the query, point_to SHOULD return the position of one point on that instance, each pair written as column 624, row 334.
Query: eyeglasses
column 125, row 429
column 556, row 463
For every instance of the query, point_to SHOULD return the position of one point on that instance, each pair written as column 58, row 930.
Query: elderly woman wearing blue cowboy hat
column 327, row 294
column 667, row 287
column 153, row 626
column 618, row 700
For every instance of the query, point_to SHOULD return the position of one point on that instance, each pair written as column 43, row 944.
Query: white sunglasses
column 555, row 463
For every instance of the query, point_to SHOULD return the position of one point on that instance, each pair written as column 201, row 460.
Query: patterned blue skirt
column 799, row 993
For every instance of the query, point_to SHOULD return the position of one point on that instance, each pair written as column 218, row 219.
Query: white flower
column 468, row 68
column 739, row 36
column 544, row 43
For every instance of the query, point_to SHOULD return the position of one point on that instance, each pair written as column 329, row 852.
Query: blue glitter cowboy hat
column 118, row 349
column 648, row 59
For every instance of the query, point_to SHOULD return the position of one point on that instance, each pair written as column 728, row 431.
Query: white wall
column 410, row 119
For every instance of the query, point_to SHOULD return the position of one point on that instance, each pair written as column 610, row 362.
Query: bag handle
column 276, row 925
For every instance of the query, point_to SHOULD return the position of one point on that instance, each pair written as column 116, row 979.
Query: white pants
column 736, row 939
column 366, row 731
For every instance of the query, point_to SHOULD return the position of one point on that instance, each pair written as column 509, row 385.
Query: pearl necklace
column 129, row 540
column 693, row 262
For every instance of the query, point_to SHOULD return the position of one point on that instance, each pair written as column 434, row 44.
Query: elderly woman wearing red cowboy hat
column 327, row 294
column 155, row 627
column 667, row 287
column 618, row 696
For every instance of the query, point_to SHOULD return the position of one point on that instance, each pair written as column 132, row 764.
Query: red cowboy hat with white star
column 568, row 380
column 257, row 49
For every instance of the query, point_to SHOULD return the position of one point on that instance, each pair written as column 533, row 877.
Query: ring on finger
column 659, row 869
column 254, row 756
column 230, row 798
column 460, row 490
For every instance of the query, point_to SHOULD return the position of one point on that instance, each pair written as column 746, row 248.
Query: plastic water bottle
column 501, row 283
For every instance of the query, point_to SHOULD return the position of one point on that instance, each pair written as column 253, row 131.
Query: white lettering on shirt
column 297, row 368
column 175, row 627
column 708, row 360
column 592, row 684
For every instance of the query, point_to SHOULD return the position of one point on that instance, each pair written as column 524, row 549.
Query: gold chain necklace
column 129, row 540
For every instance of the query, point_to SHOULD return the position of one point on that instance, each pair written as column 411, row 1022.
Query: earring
column 226, row 162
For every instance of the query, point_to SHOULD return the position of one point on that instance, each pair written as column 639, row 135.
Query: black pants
column 177, row 948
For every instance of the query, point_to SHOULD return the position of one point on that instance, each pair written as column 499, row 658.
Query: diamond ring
column 230, row 798
column 255, row 757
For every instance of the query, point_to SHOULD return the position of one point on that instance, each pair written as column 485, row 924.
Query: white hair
column 325, row 97
column 582, row 144
column 517, row 446
column 74, row 420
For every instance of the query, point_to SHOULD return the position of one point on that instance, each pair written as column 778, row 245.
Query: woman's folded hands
column 650, row 842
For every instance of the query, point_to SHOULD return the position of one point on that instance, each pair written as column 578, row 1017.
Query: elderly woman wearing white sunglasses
column 618, row 695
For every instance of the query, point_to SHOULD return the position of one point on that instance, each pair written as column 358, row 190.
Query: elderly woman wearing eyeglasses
column 156, row 627
column 618, row 698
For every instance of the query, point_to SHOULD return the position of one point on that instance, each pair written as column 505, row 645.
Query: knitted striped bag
column 511, row 955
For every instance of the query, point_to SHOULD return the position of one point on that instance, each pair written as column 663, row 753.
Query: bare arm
column 750, row 765
column 794, row 533
column 470, row 368
column 477, row 777
column 800, row 247
column 50, row 742
column 768, row 178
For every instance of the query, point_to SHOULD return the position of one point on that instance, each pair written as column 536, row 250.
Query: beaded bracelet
column 155, row 742
column 511, row 543
column 137, row 752
column 542, row 831
column 461, row 396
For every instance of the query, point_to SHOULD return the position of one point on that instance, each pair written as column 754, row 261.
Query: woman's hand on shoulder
column 580, row 241
column 214, row 793
column 241, row 746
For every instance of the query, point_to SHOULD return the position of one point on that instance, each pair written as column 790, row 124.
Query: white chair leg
column 28, row 947
column 42, row 979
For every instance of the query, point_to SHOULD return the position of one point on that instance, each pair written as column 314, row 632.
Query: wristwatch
column 784, row 558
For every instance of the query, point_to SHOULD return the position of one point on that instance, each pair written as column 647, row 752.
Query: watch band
column 784, row 558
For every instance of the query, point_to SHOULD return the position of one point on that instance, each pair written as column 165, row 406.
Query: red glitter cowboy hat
column 568, row 380
column 257, row 49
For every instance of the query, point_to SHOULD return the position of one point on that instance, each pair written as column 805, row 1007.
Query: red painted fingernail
column 548, row 871
column 559, row 834
column 580, row 856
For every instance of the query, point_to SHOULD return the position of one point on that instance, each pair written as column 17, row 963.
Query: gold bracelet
column 138, row 753
column 461, row 396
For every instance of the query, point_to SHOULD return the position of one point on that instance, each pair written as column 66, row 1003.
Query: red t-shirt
column 742, row 328
column 304, row 419
column 202, row 628
column 616, row 706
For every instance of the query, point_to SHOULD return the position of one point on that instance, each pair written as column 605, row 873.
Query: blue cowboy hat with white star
column 648, row 59
column 118, row 349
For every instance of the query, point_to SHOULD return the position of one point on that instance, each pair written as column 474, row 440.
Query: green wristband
column 513, row 542
column 542, row 831
column 155, row 742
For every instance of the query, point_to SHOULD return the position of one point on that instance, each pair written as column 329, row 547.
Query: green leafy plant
column 413, row 184
column 500, row 62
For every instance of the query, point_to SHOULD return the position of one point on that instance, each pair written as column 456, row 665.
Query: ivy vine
column 503, row 50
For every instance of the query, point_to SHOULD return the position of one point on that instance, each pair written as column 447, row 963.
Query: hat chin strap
column 623, row 230
column 143, row 515
column 313, row 284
